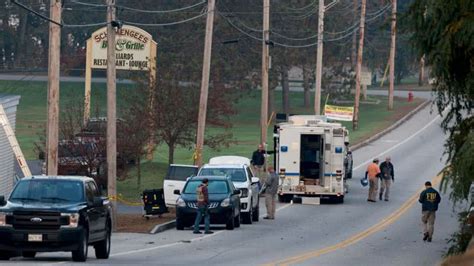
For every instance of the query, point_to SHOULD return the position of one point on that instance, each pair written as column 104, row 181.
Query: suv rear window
column 235, row 174
column 180, row 173
column 48, row 191
column 214, row 187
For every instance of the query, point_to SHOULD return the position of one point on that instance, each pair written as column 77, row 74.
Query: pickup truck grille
column 38, row 220
column 212, row 205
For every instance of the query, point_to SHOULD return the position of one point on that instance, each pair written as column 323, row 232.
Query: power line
column 345, row 33
column 36, row 13
column 380, row 10
column 308, row 14
column 87, row 4
column 304, row 7
column 161, row 11
column 84, row 25
column 377, row 16
column 294, row 39
column 288, row 45
column 165, row 24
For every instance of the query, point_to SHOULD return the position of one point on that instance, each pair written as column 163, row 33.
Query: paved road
column 44, row 78
column 347, row 234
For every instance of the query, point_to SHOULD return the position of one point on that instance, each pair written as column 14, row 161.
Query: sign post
column 365, row 80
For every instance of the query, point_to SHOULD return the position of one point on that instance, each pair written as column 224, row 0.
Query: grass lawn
column 31, row 121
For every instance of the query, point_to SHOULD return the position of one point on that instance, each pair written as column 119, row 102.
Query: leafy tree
column 176, row 108
column 134, row 131
column 443, row 31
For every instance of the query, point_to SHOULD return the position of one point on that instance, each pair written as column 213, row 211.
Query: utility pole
column 392, row 54
column 421, row 75
column 53, row 88
column 354, row 36
column 319, row 59
column 355, row 122
column 265, row 67
column 205, row 82
column 111, row 112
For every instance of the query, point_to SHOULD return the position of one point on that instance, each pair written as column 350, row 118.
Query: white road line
column 181, row 242
column 145, row 249
column 279, row 209
column 400, row 143
column 173, row 244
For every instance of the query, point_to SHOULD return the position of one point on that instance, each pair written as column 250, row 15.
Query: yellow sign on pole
column 340, row 113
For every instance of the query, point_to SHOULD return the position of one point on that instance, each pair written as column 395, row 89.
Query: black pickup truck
column 55, row 213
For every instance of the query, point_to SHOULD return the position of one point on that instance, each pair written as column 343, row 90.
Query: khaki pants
column 270, row 204
column 373, row 188
column 428, row 219
column 385, row 187
column 258, row 171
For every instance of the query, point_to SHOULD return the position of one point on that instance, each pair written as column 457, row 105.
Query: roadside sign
column 340, row 113
column 366, row 78
column 133, row 48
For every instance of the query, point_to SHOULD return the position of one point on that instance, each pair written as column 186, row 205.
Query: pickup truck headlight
column 244, row 192
column 73, row 220
column 3, row 219
column 180, row 202
column 225, row 203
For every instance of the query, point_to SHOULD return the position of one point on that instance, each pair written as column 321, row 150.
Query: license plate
column 35, row 238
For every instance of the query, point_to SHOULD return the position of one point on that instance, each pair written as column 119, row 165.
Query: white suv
column 238, row 169
column 175, row 179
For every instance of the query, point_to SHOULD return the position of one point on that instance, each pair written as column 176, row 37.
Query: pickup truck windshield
column 57, row 191
column 235, row 174
column 214, row 187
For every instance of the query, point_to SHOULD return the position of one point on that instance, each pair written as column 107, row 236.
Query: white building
column 7, row 159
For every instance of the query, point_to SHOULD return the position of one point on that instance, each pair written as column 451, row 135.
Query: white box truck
column 312, row 158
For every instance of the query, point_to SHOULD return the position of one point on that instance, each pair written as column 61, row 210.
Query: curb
column 163, row 227
column 392, row 127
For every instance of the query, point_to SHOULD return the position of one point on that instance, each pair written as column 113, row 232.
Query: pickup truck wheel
column 256, row 213
column 247, row 216
column 179, row 224
column 102, row 249
column 80, row 254
column 28, row 254
column 230, row 223
column 5, row 255
column 237, row 221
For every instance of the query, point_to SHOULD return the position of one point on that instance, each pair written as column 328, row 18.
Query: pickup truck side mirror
column 255, row 180
column 176, row 192
column 236, row 192
column 98, row 202
column 2, row 201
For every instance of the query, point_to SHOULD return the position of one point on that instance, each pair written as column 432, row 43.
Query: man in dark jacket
column 429, row 199
column 387, row 176
column 258, row 161
column 202, row 195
